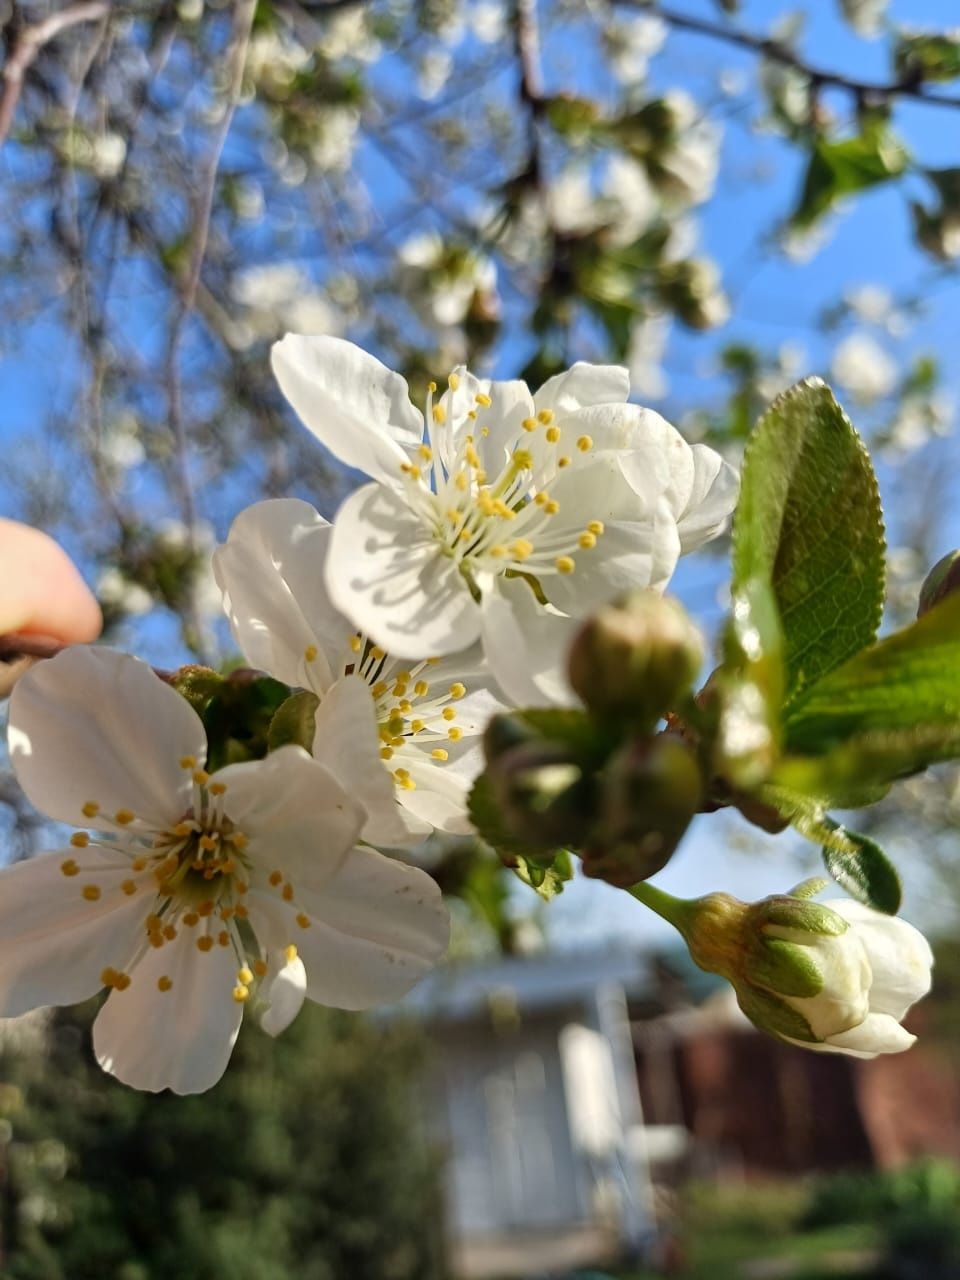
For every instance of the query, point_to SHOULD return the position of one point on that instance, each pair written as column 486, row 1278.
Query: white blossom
column 862, row 367
column 473, row 529
column 629, row 45
column 194, row 891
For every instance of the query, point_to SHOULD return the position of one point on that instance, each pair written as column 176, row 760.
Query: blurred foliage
column 307, row 1160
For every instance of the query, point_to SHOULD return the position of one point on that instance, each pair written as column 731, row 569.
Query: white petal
column 710, row 500
column 440, row 796
column 877, row 1034
column 296, row 815
column 350, row 401
column 900, row 957
column 271, row 573
column 527, row 644
column 348, row 743
column 844, row 1000
column 284, row 993
column 179, row 1039
column 583, row 384
column 510, row 403
column 54, row 944
column 97, row 725
column 388, row 574
column 376, row 929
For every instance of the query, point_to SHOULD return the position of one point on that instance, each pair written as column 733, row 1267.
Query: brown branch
column 28, row 44
column 777, row 51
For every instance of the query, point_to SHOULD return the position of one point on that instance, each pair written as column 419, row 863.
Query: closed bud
column 942, row 581
column 546, row 799
column 635, row 657
column 835, row 976
column 503, row 732
column 649, row 792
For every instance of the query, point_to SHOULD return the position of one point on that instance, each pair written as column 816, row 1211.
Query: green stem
column 676, row 911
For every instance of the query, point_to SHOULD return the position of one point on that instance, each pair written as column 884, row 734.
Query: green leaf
column 548, row 881
column 844, row 168
column 294, row 721
column 866, row 873
column 898, row 700
column 934, row 58
column 809, row 523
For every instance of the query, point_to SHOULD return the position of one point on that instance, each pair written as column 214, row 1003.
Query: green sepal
column 294, row 721
column 569, row 727
column 547, row 880
column 866, row 873
column 238, row 716
column 772, row 1015
column 486, row 817
column 785, row 968
column 786, row 912
column 197, row 684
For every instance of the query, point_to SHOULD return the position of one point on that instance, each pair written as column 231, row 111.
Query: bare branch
column 29, row 43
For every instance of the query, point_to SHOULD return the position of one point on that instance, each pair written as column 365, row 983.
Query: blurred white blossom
column 862, row 367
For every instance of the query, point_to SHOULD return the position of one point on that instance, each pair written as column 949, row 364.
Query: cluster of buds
column 607, row 784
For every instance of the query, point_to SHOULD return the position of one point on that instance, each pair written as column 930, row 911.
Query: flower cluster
column 445, row 593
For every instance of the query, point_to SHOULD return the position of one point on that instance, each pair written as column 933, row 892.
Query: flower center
column 496, row 523
column 195, row 876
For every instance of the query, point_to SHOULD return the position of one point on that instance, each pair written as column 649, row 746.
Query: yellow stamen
column 190, row 919
column 201, row 777
column 90, row 809
column 457, row 690
column 529, row 424
column 521, row 549
column 164, row 983
column 241, row 993
column 290, row 953
column 205, row 943
column 245, row 976
column 218, row 788
column 69, row 867
column 188, row 762
column 587, row 540
column 484, row 400
column 453, row 382
column 439, row 754
column 449, row 713
column 563, row 462
column 584, row 443
column 553, row 434
column 260, row 968
column 356, row 644
column 123, row 817
column 121, row 982
column 303, row 921
column 595, row 527
column 310, row 652
column 545, row 416
column 565, row 564
column 79, row 839
column 276, row 877
column 129, row 887
column 91, row 892
column 454, row 734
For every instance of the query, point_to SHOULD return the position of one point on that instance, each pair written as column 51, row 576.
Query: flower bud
column 942, row 581
column 635, row 657
column 650, row 790
column 503, row 732
column 836, row 977
column 546, row 798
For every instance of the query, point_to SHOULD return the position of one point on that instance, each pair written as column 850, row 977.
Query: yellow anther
column 241, row 887
column 91, row 892
column 79, row 839
column 129, row 887
column 139, row 864
column 205, row 908
column 90, row 809
column 409, row 469
column 421, row 688
column 523, row 458
column 310, row 652
column 241, row 993
column 290, row 953
column 454, row 734
column 407, row 784
column 499, row 551
column 108, row 976
column 457, row 690
column 164, row 983
column 245, row 976
column 462, row 482
column 155, row 939
column 209, row 843
column 228, row 866
column 587, row 540
column 123, row 817
column 484, row 400
column 201, row 777
column 552, row 507
column 545, row 416
column 425, row 452
column 403, row 676
column 502, row 510
column 380, row 688
column 521, row 549
column 223, row 938
column 565, row 564
column 153, row 921
column 188, row 762
column 183, row 829
column 400, row 774
column 303, row 921
column 287, row 893
column 218, row 788
column 541, row 498
column 563, row 462
column 432, row 388
column 239, row 840
column 205, row 943
column 453, row 382
column 386, row 753
column 356, row 644
column 169, row 932
column 377, row 653
column 438, row 753
column 69, row 867
column 449, row 713
column 190, row 919
column 260, row 968
column 472, row 415
column 553, row 434
column 439, row 414
column 121, row 982
column 241, row 911
column 227, row 912
column 276, row 877
column 472, row 457
column 584, row 443
column 595, row 527
column 405, row 706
